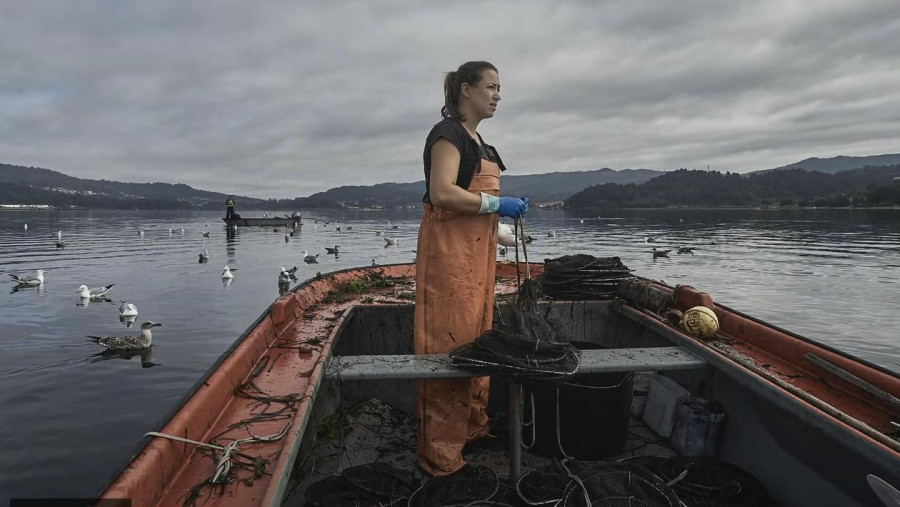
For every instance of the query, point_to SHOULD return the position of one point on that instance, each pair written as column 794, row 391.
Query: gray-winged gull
column 29, row 280
column 95, row 293
column 659, row 253
column 128, row 342
column 310, row 259
column 332, row 250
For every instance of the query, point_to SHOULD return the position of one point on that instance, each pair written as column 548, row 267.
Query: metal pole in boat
column 515, row 430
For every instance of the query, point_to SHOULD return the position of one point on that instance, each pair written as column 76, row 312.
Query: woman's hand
column 513, row 207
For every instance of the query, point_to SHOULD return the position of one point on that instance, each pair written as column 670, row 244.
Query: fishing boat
column 285, row 221
column 814, row 425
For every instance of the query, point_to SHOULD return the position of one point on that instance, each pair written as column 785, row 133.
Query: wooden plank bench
column 376, row 367
column 429, row 366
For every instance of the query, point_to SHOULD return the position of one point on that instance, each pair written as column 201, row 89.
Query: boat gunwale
column 145, row 441
column 778, row 396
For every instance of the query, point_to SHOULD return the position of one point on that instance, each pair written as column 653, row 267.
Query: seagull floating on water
column 38, row 279
column 389, row 241
column 95, row 293
column 333, row 251
column 286, row 238
column 128, row 310
column 685, row 250
column 379, row 233
column 204, row 256
column 551, row 234
column 26, row 227
column 128, row 342
column 310, row 259
column 206, row 234
column 659, row 253
column 226, row 273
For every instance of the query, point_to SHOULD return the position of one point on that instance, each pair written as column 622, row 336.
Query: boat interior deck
column 367, row 415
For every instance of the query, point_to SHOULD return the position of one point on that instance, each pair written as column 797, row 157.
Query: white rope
column 223, row 466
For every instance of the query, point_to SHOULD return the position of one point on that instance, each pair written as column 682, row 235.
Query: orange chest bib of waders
column 456, row 263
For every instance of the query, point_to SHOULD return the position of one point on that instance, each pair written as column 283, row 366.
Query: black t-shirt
column 470, row 153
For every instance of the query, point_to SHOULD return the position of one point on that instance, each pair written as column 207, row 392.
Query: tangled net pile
column 583, row 277
column 374, row 484
column 524, row 343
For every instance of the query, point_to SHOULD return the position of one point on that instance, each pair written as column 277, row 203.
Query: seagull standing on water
column 38, row 279
column 95, row 293
column 128, row 342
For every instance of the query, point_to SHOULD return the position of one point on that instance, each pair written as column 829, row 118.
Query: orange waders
column 456, row 263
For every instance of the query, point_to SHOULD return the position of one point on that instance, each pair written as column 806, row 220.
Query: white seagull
column 505, row 235
column 226, row 273
column 128, row 342
column 95, row 293
column 128, row 310
column 29, row 280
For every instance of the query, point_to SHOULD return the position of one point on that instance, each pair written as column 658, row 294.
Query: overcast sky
column 284, row 99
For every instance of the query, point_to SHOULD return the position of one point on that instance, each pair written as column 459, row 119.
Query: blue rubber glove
column 512, row 207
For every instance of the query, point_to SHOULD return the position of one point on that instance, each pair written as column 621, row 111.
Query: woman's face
column 484, row 96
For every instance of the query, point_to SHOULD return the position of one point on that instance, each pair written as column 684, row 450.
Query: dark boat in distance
column 285, row 221
column 814, row 425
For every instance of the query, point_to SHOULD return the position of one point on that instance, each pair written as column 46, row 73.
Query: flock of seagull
column 128, row 311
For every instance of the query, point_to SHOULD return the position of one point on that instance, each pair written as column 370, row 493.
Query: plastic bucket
column 583, row 416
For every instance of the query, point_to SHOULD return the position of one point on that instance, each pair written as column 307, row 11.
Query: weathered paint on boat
column 760, row 358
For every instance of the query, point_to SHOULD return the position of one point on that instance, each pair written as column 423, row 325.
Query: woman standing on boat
column 456, row 261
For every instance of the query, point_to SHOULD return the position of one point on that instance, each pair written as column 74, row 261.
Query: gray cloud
column 288, row 98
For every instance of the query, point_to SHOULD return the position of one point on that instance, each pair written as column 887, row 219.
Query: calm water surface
column 70, row 418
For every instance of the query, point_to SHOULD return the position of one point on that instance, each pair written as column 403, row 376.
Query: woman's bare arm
column 443, row 191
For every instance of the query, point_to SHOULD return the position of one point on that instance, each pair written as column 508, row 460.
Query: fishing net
column 523, row 342
column 545, row 485
column 334, row 491
column 373, row 484
column 583, row 277
column 381, row 480
column 617, row 484
column 708, row 482
column 470, row 485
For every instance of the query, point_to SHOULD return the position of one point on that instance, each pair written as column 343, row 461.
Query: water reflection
column 145, row 355
column 85, row 302
column 38, row 289
column 128, row 320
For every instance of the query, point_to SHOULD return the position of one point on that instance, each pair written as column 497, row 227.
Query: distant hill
column 34, row 185
column 546, row 187
column 867, row 186
column 838, row 164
